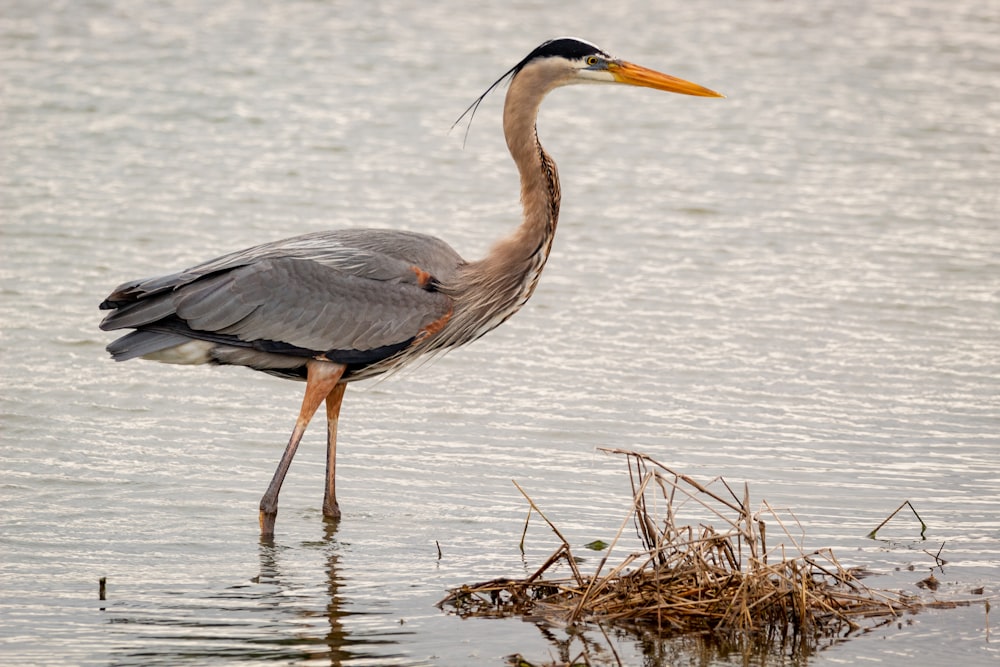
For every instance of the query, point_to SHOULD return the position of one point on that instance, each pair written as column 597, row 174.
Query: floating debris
column 694, row 579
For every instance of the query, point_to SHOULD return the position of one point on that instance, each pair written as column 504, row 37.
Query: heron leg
column 321, row 380
column 330, row 507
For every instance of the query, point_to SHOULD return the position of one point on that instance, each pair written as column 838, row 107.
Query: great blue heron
column 338, row 306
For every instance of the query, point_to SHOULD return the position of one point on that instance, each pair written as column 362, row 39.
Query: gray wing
column 341, row 293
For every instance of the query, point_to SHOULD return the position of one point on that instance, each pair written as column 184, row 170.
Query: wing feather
column 355, row 290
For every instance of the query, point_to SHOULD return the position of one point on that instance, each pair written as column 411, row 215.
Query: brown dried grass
column 723, row 581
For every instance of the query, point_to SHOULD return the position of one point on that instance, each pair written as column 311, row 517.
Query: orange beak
column 637, row 75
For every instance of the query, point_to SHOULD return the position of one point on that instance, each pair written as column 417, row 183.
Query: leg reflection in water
column 319, row 626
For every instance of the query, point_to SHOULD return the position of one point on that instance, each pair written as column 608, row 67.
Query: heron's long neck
column 540, row 193
column 493, row 288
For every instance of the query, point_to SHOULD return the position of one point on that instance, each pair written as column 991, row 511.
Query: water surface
column 797, row 287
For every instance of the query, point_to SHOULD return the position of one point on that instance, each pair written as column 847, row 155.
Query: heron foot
column 267, row 520
column 331, row 510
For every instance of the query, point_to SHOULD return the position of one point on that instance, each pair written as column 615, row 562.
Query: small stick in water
column 923, row 526
column 102, row 588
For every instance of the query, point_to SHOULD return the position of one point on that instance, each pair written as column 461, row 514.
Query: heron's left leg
column 330, row 507
column 321, row 380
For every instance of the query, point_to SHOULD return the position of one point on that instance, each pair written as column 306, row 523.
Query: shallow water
column 797, row 287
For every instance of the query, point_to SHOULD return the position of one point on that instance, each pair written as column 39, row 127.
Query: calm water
column 798, row 286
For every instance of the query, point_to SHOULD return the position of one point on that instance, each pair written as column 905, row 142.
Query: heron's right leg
column 330, row 507
column 321, row 379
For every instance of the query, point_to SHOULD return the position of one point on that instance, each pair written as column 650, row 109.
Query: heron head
column 568, row 60
column 583, row 62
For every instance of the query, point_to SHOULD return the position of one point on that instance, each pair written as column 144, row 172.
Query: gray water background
column 797, row 287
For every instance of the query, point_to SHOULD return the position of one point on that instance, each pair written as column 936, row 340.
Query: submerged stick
column 569, row 559
column 524, row 533
column 540, row 513
column 923, row 526
column 937, row 557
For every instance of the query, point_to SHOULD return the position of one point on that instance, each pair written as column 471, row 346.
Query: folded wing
column 354, row 297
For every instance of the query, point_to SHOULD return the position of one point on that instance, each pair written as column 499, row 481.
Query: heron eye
column 592, row 60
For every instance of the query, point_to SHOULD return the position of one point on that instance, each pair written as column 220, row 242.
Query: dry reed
column 726, row 581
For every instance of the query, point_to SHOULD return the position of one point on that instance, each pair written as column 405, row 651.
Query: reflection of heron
column 337, row 306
